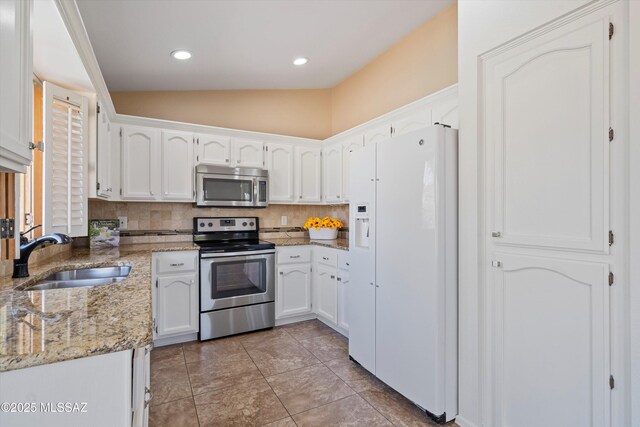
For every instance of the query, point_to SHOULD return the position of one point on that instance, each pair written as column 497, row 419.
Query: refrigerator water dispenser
column 362, row 225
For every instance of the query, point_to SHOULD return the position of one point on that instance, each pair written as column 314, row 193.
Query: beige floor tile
column 217, row 373
column 260, row 338
column 350, row 411
column 356, row 377
column 251, row 404
column 327, row 347
column 281, row 355
column 213, row 349
column 179, row 413
column 308, row 329
column 170, row 383
column 162, row 357
column 400, row 411
column 308, row 388
column 285, row 422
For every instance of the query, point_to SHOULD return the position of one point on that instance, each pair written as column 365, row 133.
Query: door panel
column 332, row 173
column 214, row 150
column 294, row 290
column 248, row 153
column 280, row 166
column 326, row 294
column 546, row 128
column 139, row 162
column 550, row 324
column 177, row 305
column 414, row 121
column 349, row 147
column 308, row 174
column 177, row 166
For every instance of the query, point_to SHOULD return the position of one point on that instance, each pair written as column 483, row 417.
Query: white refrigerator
column 402, row 297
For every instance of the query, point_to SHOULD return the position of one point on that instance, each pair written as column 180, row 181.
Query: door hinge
column 155, row 325
column 496, row 264
column 612, row 382
column 121, row 191
column 156, row 283
column 7, row 228
column 98, row 108
column 120, row 132
column 97, row 185
column 611, row 238
column 611, row 30
column 611, row 278
column 266, row 148
column 197, row 158
column 391, row 130
column 611, row 134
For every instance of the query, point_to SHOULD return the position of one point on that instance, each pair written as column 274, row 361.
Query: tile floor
column 293, row 375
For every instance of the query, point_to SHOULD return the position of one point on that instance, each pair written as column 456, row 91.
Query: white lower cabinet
column 343, row 284
column 326, row 293
column 294, row 290
column 106, row 390
column 175, row 296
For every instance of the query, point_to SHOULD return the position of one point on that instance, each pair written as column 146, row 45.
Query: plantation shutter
column 66, row 159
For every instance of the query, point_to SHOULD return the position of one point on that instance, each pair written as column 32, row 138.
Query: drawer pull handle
column 339, row 279
column 177, row 264
column 325, row 258
column 281, row 273
column 347, row 264
column 333, row 277
column 294, row 256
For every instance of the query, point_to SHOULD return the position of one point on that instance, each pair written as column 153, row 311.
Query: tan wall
column 422, row 63
column 296, row 112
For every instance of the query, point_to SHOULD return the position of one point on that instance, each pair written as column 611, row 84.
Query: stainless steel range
column 237, row 277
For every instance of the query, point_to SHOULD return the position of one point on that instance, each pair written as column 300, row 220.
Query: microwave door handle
column 256, row 196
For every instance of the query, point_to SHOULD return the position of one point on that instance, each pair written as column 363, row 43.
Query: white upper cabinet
column 140, row 163
column 177, row 166
column 66, row 139
column 446, row 112
column 377, row 134
column 308, row 174
column 332, row 173
column 550, row 154
column 280, row 161
column 16, row 85
column 349, row 146
column 247, row 153
column 416, row 120
column 214, row 150
column 104, row 185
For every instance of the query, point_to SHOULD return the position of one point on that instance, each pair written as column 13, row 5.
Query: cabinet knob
column 226, row 160
column 339, row 279
column 281, row 273
column 496, row 234
column 337, row 197
column 325, row 258
column 333, row 277
column 300, row 197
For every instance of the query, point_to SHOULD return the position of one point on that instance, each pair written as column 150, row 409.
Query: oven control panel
column 210, row 224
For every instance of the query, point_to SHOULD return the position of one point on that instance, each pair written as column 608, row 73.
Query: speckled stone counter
column 297, row 241
column 41, row 327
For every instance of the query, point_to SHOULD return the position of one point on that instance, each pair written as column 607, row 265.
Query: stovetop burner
column 227, row 234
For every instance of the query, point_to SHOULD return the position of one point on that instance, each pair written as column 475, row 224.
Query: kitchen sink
column 90, row 273
column 61, row 284
column 82, row 277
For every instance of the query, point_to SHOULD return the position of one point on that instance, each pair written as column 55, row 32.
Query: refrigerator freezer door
column 361, row 292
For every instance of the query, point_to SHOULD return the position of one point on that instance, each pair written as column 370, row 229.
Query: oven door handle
column 246, row 254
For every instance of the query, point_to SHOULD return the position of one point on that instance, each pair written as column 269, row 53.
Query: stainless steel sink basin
column 82, row 277
column 61, row 284
column 90, row 273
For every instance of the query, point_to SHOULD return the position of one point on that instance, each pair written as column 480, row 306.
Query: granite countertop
column 41, row 327
column 342, row 244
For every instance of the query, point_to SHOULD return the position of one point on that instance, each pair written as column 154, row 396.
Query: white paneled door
column 140, row 162
column 214, row 149
column 308, row 174
column 280, row 166
column 332, row 173
column 177, row 166
column 548, row 214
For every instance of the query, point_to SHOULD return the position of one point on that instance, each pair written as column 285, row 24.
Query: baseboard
column 336, row 328
column 175, row 340
column 295, row 319
column 463, row 422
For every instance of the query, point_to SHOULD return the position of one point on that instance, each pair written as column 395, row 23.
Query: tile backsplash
column 179, row 216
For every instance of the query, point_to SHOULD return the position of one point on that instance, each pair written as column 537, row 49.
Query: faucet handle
column 31, row 229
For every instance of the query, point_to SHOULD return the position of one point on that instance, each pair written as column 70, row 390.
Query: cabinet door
column 140, row 163
column 377, row 134
column 326, row 293
column 177, row 166
column 247, row 153
column 413, row 121
column 332, row 173
column 214, row 150
column 293, row 296
column 16, row 85
column 343, row 283
column 177, row 306
column 308, row 174
column 104, row 186
column 445, row 111
column 280, row 165
column 550, row 326
column 349, row 147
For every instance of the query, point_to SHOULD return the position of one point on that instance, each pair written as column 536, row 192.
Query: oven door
column 236, row 279
column 226, row 190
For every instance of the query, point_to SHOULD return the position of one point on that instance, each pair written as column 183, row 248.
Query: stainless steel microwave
column 222, row 186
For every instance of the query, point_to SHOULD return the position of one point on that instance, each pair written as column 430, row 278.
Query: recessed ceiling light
column 300, row 61
column 181, row 54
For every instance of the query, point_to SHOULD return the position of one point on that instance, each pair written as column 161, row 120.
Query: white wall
column 482, row 25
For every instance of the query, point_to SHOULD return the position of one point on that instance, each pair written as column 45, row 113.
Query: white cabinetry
column 349, row 146
column 247, row 153
column 140, row 151
column 280, row 161
column 104, row 158
column 16, row 85
column 177, row 166
column 293, row 292
column 332, row 173
column 308, row 174
column 214, row 149
column 326, row 293
column 413, row 121
column 175, row 295
column 377, row 134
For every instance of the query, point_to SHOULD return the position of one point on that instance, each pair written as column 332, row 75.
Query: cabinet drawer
column 326, row 256
column 176, row 262
column 294, row 255
column 344, row 260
